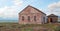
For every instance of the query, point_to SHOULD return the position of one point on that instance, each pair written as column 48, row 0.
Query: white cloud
column 54, row 7
column 10, row 11
column 17, row 2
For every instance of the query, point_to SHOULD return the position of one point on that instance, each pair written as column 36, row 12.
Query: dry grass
column 27, row 27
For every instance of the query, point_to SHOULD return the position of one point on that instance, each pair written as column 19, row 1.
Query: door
column 50, row 20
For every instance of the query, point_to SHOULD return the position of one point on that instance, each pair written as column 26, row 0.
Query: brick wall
column 31, row 12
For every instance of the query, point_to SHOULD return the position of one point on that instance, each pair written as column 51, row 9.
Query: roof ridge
column 52, row 15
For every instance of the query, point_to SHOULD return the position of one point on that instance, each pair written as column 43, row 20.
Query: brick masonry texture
column 31, row 11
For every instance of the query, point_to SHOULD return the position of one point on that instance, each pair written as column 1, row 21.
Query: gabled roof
column 52, row 15
column 32, row 7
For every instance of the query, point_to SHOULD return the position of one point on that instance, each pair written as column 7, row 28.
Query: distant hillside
column 8, row 20
column 58, row 18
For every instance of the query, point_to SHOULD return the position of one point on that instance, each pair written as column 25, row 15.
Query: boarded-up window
column 28, row 18
column 34, row 18
column 22, row 18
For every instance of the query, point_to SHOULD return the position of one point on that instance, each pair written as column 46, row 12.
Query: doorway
column 51, row 20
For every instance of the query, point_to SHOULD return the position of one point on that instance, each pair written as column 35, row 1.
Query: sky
column 9, row 9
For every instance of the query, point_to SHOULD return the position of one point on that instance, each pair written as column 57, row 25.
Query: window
column 22, row 18
column 44, row 19
column 28, row 18
column 34, row 18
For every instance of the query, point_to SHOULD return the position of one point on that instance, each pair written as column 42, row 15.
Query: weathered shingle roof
column 52, row 15
column 32, row 7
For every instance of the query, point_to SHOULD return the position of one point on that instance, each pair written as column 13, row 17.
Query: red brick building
column 31, row 15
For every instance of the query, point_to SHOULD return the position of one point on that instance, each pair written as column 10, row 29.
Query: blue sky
column 9, row 9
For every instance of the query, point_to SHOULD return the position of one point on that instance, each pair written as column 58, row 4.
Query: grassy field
column 32, row 27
